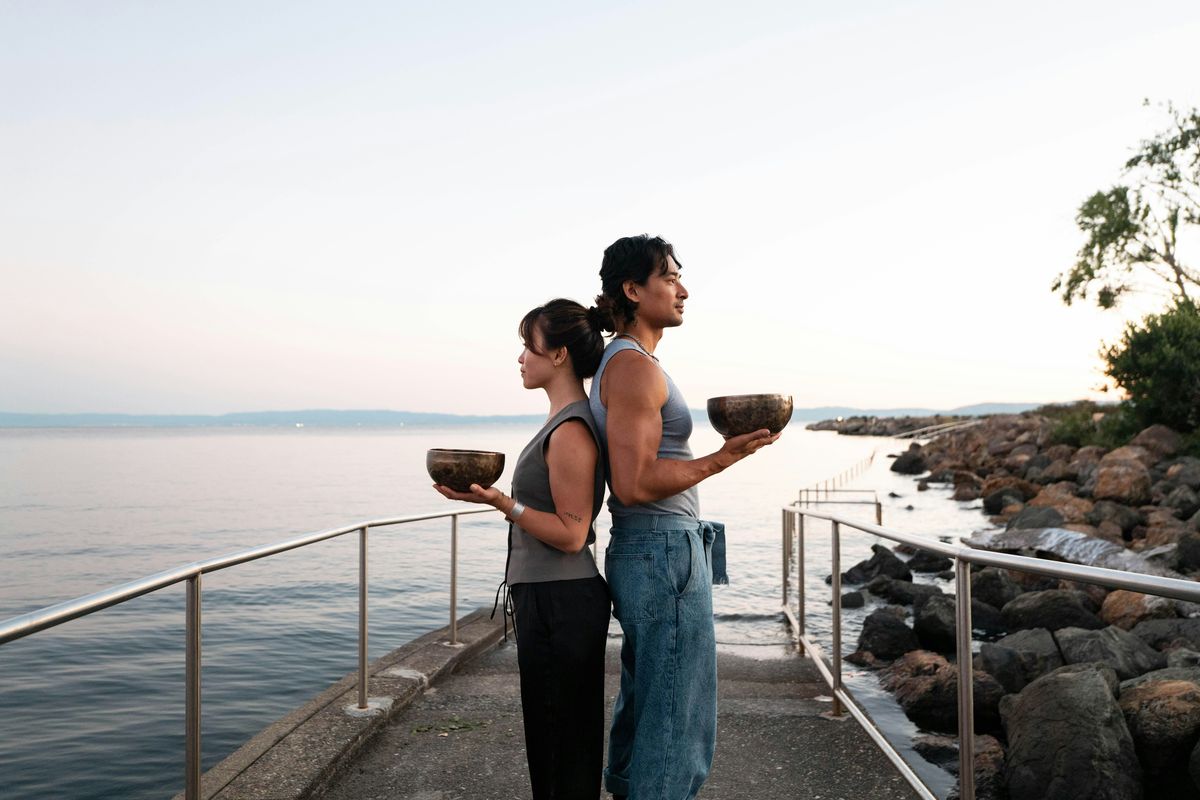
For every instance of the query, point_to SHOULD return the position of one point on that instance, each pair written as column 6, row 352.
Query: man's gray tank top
column 530, row 560
column 676, row 429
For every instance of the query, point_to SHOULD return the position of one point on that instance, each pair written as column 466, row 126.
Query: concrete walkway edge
column 297, row 756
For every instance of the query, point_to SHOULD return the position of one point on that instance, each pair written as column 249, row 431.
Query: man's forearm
column 665, row 477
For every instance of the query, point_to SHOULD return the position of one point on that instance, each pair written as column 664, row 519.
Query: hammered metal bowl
column 744, row 413
column 458, row 469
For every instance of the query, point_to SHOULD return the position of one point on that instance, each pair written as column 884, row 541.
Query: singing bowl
column 745, row 413
column 458, row 469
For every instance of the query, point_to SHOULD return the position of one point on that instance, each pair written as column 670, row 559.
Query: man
column 660, row 561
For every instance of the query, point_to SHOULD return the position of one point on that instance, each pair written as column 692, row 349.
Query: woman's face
column 537, row 363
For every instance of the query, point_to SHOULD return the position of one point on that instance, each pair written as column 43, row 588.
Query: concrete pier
column 456, row 733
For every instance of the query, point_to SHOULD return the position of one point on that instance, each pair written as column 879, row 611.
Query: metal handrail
column 51, row 616
column 793, row 519
column 930, row 431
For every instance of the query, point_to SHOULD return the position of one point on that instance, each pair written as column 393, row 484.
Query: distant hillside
column 327, row 418
column 316, row 418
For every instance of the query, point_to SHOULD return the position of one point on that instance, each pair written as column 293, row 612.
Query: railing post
column 837, row 620
column 878, row 513
column 192, row 692
column 454, row 579
column 362, row 617
column 966, row 690
column 800, row 572
column 787, row 536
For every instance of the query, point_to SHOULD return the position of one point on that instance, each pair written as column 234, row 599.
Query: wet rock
column 1184, row 501
column 994, row 587
column 998, row 500
column 1020, row 658
column 1188, row 674
column 1068, row 739
column 1059, row 471
column 1124, row 481
column 989, row 762
column 934, row 624
column 1052, row 609
column 1126, row 609
column 882, row 562
column 1122, row 515
column 1071, row 546
column 965, row 493
column 886, row 636
column 925, row 561
column 1159, row 633
column 986, row 619
column 1185, row 472
column 1159, row 440
column 903, row 592
column 853, row 600
column 1164, row 719
column 1188, row 550
column 1030, row 517
column 926, row 687
column 1183, row 657
column 910, row 462
column 1126, row 654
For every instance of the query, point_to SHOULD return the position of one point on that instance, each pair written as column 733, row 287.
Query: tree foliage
column 1157, row 363
column 1132, row 231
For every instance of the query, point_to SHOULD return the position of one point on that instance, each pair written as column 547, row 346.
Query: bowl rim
column 747, row 396
column 460, row 451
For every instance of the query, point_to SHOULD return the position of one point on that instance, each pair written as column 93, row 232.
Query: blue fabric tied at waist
column 714, row 542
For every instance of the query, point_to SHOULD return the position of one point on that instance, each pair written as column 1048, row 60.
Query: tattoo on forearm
column 575, row 517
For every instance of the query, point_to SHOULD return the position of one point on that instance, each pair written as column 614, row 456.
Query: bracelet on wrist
column 518, row 508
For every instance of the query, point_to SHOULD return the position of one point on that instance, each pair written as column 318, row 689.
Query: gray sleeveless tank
column 530, row 560
column 676, row 429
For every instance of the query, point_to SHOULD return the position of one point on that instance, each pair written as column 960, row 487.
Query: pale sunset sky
column 282, row 205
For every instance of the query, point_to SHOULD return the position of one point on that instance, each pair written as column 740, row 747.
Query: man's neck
column 646, row 336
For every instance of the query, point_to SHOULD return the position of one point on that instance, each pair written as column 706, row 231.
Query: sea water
column 94, row 707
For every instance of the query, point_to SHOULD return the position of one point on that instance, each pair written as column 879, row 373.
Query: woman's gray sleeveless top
column 530, row 560
column 676, row 429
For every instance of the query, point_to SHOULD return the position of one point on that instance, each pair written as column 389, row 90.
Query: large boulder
column 1061, row 497
column 1125, row 481
column 1185, row 472
column 886, row 636
column 905, row 593
column 882, row 562
column 934, row 623
column 926, row 687
column 925, row 561
column 1019, row 658
column 1159, row 440
column 1187, row 674
column 1129, row 453
column 1051, row 609
column 997, row 501
column 1188, row 549
column 1126, row 654
column 989, row 761
column 1126, row 609
column 1163, row 634
column 994, row 586
column 1164, row 719
column 910, row 462
column 1068, row 739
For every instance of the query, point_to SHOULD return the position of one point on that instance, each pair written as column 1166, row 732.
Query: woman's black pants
column 562, row 627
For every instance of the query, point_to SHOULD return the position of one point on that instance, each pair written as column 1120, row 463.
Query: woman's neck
column 564, row 392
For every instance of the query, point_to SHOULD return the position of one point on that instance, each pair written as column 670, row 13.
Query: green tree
column 1157, row 363
column 1133, row 230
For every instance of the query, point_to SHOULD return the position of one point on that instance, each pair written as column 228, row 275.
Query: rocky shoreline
column 882, row 426
column 1080, row 692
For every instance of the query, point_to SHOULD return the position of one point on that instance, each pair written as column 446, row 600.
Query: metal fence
column 793, row 531
column 51, row 616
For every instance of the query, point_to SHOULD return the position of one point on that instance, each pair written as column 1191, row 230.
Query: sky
column 221, row 207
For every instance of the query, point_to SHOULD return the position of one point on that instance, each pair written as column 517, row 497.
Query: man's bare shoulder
column 633, row 376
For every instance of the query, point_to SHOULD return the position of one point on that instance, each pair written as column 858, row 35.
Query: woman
column 561, row 602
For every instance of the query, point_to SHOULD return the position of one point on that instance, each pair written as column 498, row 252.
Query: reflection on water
column 81, row 510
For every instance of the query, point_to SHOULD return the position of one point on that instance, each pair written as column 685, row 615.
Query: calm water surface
column 94, row 708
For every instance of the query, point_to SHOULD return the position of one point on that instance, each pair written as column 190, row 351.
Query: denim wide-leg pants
column 659, row 572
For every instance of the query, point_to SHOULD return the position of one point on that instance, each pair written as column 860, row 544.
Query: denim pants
column 659, row 571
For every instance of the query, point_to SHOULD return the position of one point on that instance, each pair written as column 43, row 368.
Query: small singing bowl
column 458, row 469
column 746, row 413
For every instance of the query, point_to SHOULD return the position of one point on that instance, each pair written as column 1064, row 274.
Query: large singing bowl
column 745, row 413
column 458, row 469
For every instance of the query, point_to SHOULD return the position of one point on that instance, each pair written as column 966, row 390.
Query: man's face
column 660, row 300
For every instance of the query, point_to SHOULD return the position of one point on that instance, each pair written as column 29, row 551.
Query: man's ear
column 630, row 288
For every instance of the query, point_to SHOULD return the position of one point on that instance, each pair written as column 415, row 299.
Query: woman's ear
column 560, row 355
